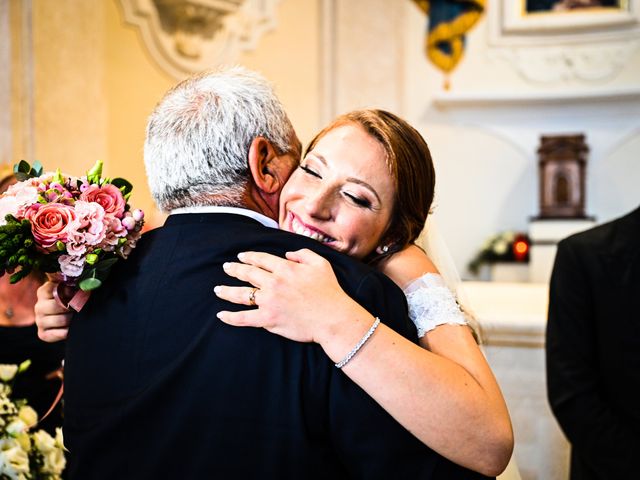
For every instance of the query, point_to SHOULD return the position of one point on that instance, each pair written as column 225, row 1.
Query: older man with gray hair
column 156, row 386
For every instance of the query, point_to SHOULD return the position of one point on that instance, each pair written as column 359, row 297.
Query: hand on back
column 298, row 297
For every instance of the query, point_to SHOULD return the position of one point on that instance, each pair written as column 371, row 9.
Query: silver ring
column 252, row 296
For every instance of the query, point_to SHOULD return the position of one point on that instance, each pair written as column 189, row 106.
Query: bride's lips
column 298, row 226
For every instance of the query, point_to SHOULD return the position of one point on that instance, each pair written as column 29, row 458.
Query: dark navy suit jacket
column 157, row 387
column 593, row 348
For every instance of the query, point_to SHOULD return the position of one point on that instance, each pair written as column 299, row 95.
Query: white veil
column 432, row 242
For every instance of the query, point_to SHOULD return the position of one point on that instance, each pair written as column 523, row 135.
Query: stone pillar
column 5, row 83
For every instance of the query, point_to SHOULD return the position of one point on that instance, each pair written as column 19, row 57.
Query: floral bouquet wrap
column 25, row 454
column 72, row 228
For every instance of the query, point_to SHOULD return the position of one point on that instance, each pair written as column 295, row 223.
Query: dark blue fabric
column 157, row 387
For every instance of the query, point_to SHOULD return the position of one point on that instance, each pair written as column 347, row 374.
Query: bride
column 365, row 188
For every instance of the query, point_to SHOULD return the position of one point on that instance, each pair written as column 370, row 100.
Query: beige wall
column 94, row 84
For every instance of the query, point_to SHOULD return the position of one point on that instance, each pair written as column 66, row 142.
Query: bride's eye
column 310, row 171
column 361, row 202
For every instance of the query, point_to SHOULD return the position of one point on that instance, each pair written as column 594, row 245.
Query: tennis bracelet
column 359, row 345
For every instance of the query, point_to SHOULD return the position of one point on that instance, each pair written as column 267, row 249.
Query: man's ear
column 264, row 165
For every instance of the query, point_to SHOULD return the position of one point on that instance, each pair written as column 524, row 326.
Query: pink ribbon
column 70, row 297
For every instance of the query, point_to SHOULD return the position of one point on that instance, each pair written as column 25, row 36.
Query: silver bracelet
column 362, row 341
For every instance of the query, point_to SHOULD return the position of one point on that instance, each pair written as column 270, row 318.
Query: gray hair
column 198, row 137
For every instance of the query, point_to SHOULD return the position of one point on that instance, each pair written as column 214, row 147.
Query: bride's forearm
column 457, row 412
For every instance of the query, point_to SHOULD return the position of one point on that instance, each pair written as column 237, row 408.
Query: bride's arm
column 447, row 397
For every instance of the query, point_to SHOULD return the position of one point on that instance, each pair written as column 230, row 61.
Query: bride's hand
column 298, row 297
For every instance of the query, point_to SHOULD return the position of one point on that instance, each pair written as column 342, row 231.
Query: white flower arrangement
column 25, row 455
column 506, row 246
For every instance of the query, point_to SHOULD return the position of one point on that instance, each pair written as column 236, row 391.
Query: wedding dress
column 439, row 299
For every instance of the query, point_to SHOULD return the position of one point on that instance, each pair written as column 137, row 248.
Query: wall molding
column 189, row 36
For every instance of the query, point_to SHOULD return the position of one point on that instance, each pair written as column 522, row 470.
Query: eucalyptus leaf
column 37, row 168
column 89, row 284
column 105, row 264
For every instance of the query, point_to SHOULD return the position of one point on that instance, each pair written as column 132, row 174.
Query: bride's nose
column 319, row 203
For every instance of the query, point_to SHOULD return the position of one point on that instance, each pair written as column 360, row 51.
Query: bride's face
column 342, row 193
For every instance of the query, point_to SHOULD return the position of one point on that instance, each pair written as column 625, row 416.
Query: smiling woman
column 347, row 189
column 342, row 193
column 365, row 188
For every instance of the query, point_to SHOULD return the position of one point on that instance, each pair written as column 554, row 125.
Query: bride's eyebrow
column 357, row 181
column 318, row 157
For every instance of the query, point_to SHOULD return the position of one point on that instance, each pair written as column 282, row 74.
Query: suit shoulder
column 591, row 238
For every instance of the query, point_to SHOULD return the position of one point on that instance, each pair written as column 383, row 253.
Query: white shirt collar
column 263, row 219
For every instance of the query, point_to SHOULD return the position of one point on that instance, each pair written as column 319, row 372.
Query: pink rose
column 50, row 223
column 109, row 196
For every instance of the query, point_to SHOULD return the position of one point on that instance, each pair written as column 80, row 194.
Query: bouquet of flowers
column 24, row 454
column 74, row 228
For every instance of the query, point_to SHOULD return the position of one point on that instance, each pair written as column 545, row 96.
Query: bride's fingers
column 245, row 318
column 239, row 295
column 256, row 276
column 263, row 260
column 306, row 256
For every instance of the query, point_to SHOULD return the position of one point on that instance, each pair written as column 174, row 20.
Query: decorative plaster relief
column 188, row 36
column 584, row 63
column 558, row 47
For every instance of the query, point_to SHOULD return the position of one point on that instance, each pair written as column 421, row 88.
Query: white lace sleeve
column 431, row 304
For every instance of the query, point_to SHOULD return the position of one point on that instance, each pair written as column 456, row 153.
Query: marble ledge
column 510, row 314
column 465, row 100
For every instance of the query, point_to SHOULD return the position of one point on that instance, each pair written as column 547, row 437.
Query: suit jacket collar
column 263, row 219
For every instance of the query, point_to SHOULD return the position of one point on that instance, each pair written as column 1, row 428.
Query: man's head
column 220, row 138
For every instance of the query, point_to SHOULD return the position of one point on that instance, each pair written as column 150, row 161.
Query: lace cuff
column 431, row 304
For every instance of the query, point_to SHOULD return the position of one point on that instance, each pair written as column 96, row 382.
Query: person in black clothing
column 157, row 388
column 593, row 348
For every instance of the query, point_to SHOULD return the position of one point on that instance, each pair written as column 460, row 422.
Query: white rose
column 7, row 372
column 60, row 439
column 28, row 415
column 54, row 462
column 7, row 407
column 25, row 441
column 14, row 461
column 43, row 441
column 16, row 427
column 500, row 247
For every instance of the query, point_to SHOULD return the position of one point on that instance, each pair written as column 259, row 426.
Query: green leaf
column 24, row 171
column 24, row 366
column 58, row 178
column 22, row 167
column 93, row 175
column 21, row 170
column 124, row 186
column 89, row 284
column 106, row 264
column 37, row 168
column 19, row 275
column 91, row 258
